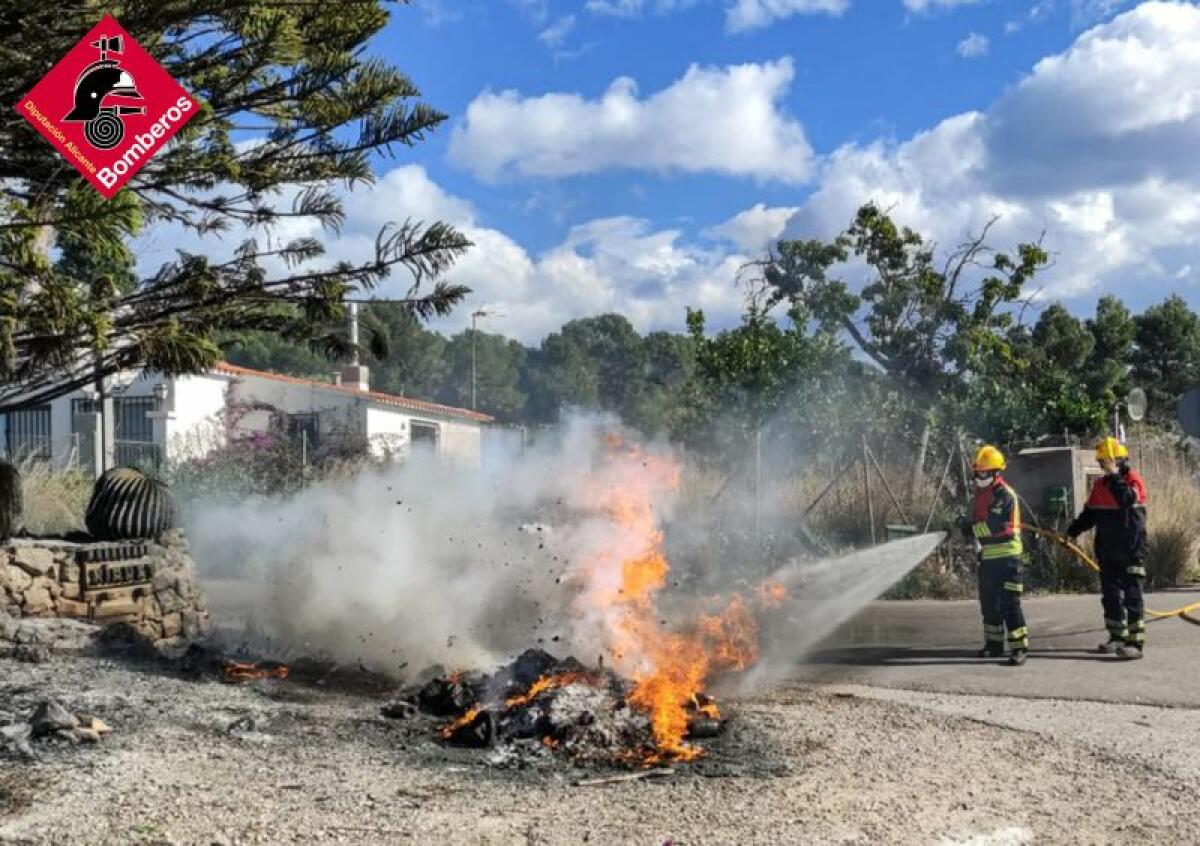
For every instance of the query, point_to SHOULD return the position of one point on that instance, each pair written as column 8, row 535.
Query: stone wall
column 149, row 585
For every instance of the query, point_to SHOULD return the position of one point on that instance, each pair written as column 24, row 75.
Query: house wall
column 194, row 424
column 460, row 442
column 193, row 420
column 1033, row 471
column 388, row 431
column 336, row 411
column 66, row 449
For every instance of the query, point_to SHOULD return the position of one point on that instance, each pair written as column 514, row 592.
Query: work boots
column 1129, row 651
column 1112, row 645
column 1017, row 657
column 991, row 650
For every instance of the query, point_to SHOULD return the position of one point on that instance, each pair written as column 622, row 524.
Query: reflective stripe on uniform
column 1007, row 549
column 1136, row 571
column 1015, row 587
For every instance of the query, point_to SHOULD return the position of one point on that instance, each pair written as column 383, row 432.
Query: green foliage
column 591, row 363
column 300, row 77
column 266, row 351
column 1166, row 356
column 758, row 373
column 415, row 363
column 496, row 363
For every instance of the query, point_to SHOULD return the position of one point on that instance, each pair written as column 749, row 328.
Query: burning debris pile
column 645, row 699
column 588, row 715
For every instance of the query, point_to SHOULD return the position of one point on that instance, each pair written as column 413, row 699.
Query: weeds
column 55, row 500
column 1173, row 518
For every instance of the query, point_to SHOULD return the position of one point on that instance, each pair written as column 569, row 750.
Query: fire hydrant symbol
column 104, row 126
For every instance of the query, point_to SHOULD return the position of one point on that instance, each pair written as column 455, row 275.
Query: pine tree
column 295, row 75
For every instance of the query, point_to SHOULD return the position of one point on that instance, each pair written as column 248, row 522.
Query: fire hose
column 1183, row 612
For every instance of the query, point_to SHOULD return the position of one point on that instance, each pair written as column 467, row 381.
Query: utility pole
column 475, row 315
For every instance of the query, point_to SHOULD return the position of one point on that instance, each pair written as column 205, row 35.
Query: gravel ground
column 282, row 762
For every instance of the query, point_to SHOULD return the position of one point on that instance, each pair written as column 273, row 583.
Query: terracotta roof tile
column 387, row 399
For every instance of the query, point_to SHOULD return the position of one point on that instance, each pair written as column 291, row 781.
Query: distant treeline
column 917, row 348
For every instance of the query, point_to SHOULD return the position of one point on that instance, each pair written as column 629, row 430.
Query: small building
column 1054, row 481
column 151, row 418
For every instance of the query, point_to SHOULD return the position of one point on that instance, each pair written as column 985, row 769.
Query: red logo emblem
column 107, row 107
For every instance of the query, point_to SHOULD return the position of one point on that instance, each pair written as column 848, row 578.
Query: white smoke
column 423, row 563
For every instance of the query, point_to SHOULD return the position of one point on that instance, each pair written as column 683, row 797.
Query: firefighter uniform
column 1116, row 509
column 996, row 521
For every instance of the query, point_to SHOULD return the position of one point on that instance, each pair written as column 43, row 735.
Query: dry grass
column 55, row 500
column 1174, row 527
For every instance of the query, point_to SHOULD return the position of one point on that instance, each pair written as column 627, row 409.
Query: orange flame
column 706, row 706
column 237, row 671
column 449, row 729
column 669, row 668
column 772, row 594
column 548, row 683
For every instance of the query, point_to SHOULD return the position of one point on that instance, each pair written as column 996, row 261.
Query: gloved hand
column 963, row 524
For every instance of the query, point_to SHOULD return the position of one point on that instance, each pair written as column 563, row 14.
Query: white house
column 150, row 418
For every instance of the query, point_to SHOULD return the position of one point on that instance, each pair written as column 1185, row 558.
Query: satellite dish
column 1135, row 404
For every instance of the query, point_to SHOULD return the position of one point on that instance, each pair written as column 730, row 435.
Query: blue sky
column 634, row 161
column 878, row 69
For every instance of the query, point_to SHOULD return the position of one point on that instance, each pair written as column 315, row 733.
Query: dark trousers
column 1122, row 598
column 1001, row 583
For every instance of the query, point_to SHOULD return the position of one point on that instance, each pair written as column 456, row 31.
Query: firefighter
column 1116, row 509
column 995, row 524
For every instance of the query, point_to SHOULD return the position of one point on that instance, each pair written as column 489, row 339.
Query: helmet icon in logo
column 103, row 125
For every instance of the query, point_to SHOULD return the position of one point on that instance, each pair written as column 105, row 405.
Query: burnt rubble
column 556, row 704
column 49, row 720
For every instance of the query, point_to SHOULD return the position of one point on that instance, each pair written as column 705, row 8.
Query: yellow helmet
column 1110, row 449
column 988, row 460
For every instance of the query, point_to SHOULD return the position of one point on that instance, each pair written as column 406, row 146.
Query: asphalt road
column 930, row 646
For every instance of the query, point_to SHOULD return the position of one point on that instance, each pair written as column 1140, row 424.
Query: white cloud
column 619, row 264
column 755, row 229
column 721, row 120
column 922, row 6
column 974, row 46
column 615, row 8
column 1086, row 12
column 556, row 34
column 1083, row 13
column 740, row 15
column 1096, row 147
column 743, row 15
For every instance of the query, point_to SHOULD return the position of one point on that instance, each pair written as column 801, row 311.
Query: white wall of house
column 193, row 422
column 461, row 442
column 336, row 410
column 388, row 431
column 193, row 419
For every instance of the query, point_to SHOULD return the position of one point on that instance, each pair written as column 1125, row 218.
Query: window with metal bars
column 133, row 429
column 27, row 434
